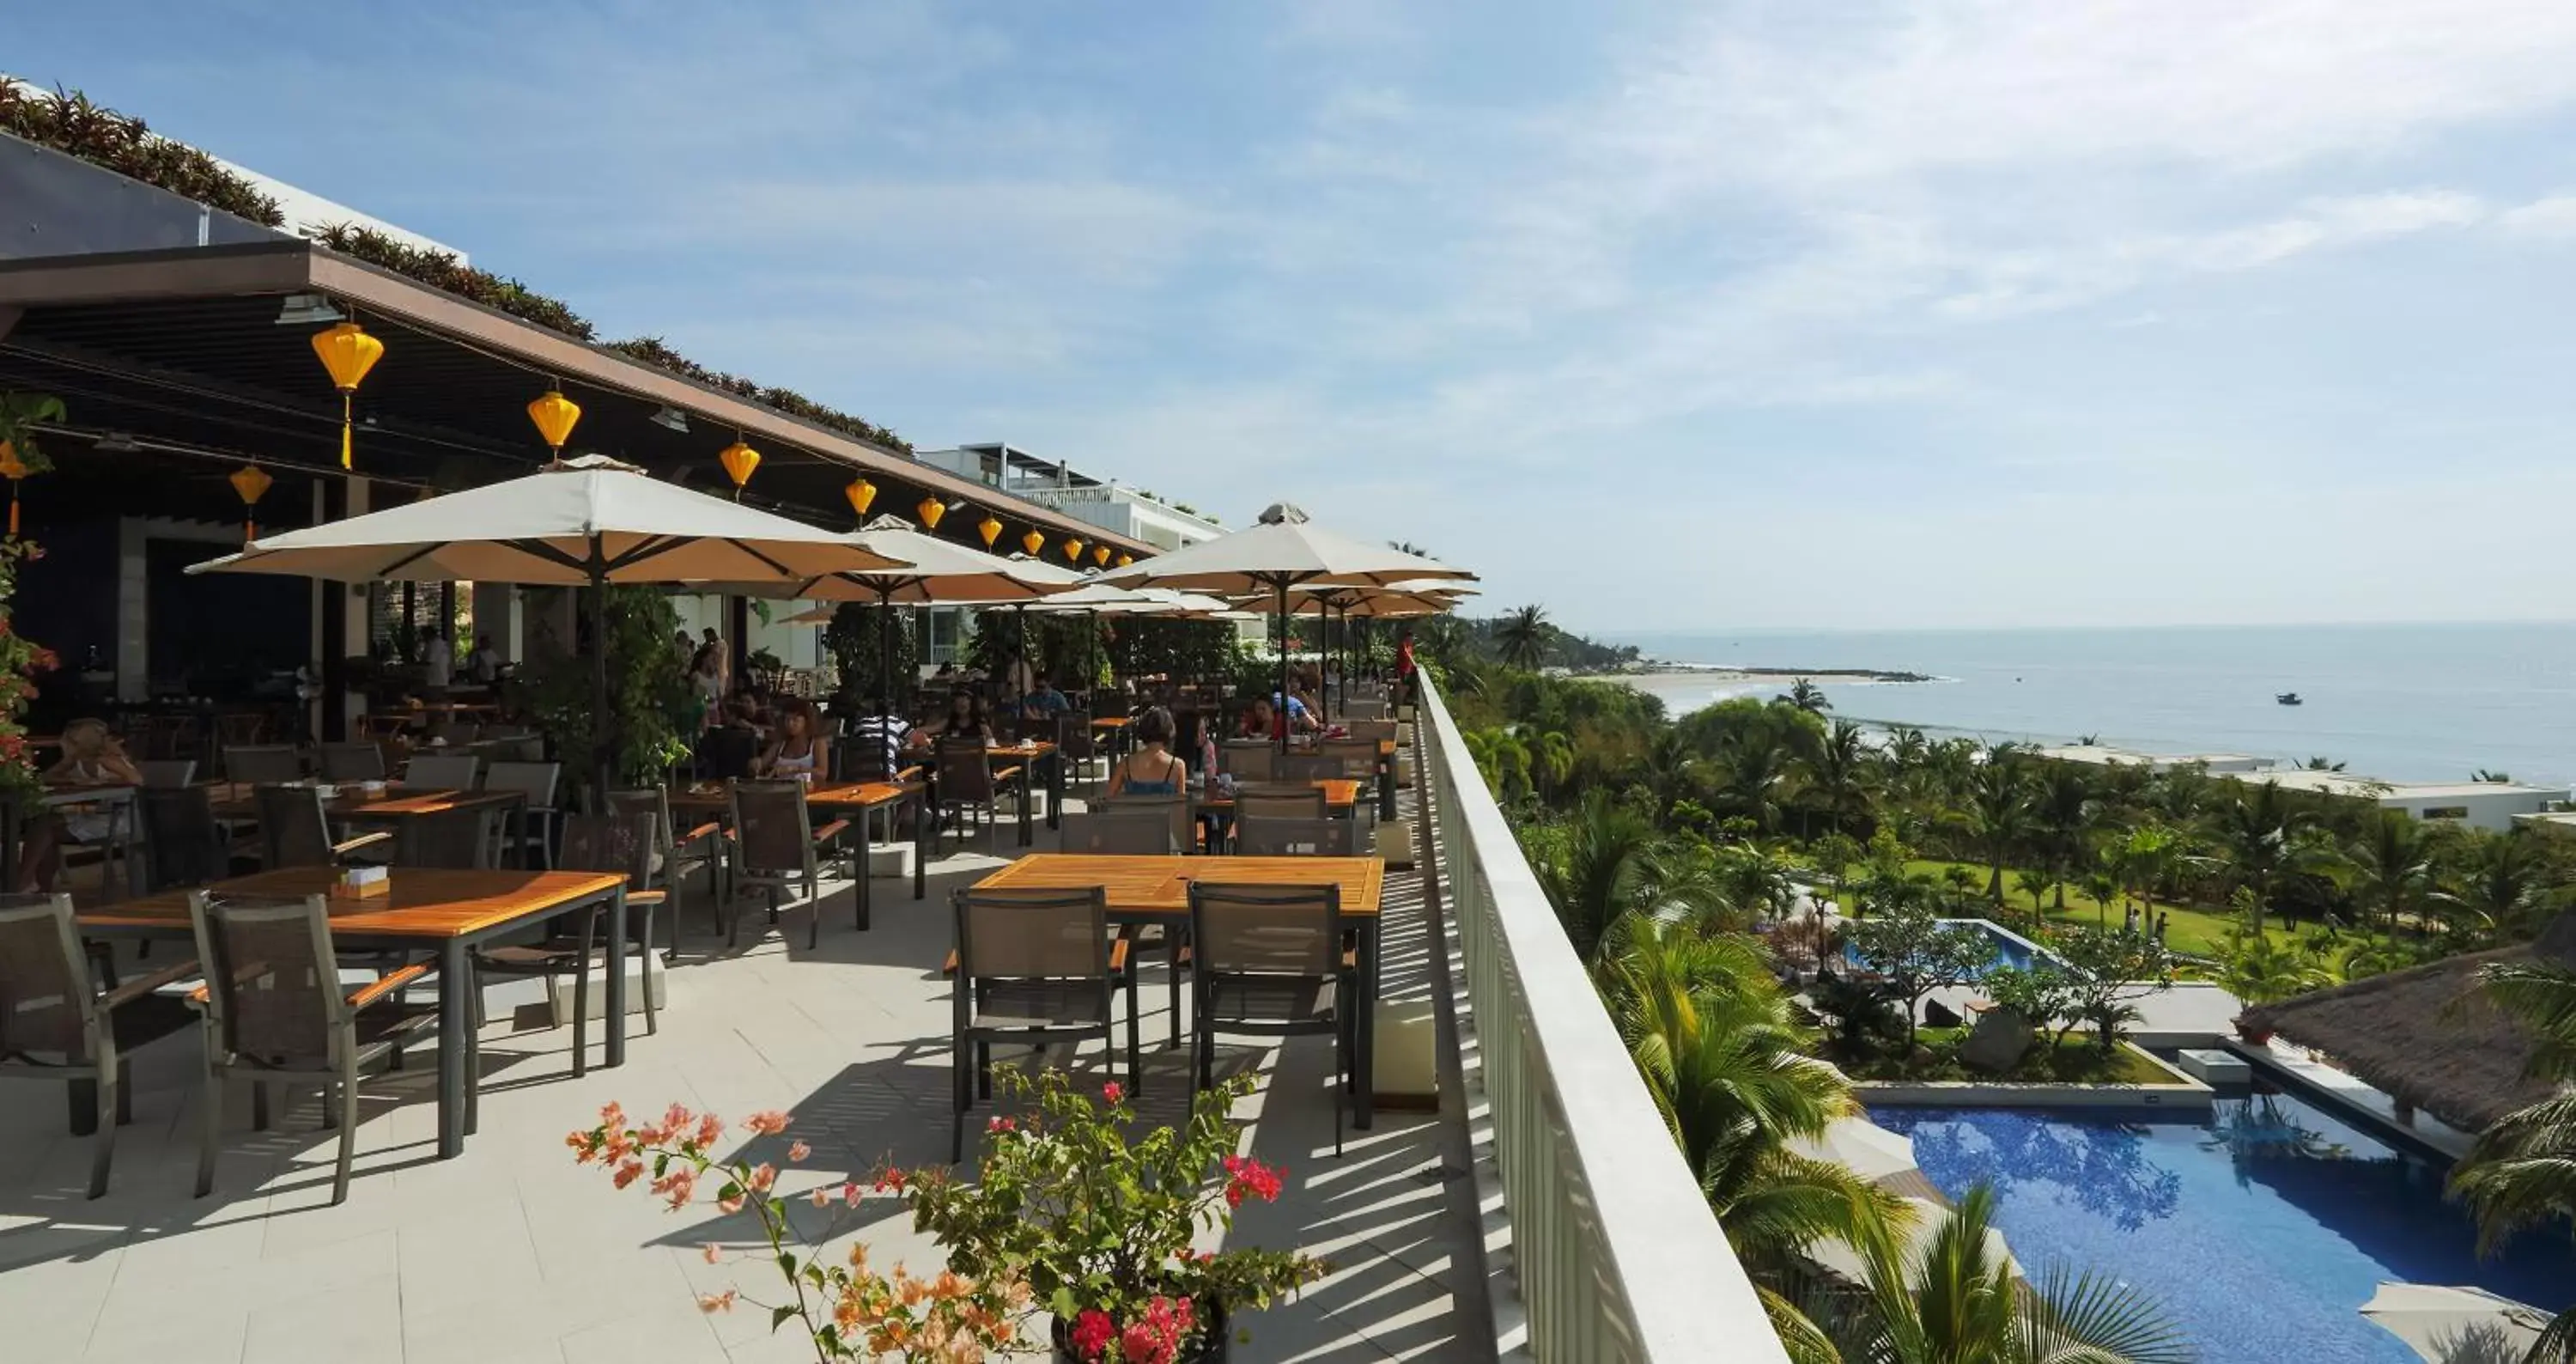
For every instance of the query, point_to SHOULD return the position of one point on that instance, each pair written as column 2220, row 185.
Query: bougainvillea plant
column 851, row 1310
column 21, row 659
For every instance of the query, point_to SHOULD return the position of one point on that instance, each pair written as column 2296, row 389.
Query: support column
column 497, row 612
column 737, row 629
column 344, row 614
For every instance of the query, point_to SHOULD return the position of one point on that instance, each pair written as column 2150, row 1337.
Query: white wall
column 2485, row 810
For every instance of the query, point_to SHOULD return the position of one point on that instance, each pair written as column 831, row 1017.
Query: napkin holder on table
column 363, row 883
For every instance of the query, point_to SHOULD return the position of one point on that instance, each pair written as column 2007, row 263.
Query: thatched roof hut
column 2425, row 1035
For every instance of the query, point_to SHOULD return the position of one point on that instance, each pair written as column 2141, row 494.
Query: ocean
column 2400, row 702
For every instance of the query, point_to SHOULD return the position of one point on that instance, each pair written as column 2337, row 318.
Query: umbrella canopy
column 1861, row 1146
column 555, row 527
column 2456, row 1325
column 1928, row 1217
column 1102, row 599
column 1284, row 549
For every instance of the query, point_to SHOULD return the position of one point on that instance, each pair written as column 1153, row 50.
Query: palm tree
column 1611, row 867
column 2500, row 891
column 2256, row 829
column 2391, row 863
column 1838, row 772
column 1524, row 636
column 2062, row 807
column 2320, row 765
column 2522, row 1172
column 1998, row 813
column 1552, row 762
column 1807, row 696
column 1752, row 761
column 2499, row 778
column 1955, row 1301
column 2035, row 884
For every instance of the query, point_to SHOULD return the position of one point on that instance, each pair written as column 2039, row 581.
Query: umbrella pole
column 885, row 651
column 605, row 725
column 1281, row 717
column 1091, row 682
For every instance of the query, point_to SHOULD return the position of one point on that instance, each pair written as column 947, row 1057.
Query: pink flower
column 797, row 1151
column 710, row 1128
column 610, row 1115
column 890, row 1180
column 712, row 1252
column 717, row 1302
column 679, row 1186
column 729, row 1205
column 1001, row 1125
column 1112, row 1093
column 850, row 1194
column 1092, row 1333
column 822, row 1195
column 628, row 1173
column 767, row 1123
column 762, row 1177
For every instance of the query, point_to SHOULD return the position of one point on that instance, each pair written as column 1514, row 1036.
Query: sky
column 1662, row 316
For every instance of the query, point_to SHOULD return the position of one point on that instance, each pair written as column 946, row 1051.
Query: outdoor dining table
column 857, row 798
column 1029, row 753
column 398, row 807
column 1341, row 795
column 447, row 910
column 1156, row 890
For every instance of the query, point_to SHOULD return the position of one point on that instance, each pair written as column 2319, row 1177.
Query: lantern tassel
column 250, row 531
column 13, row 511
column 344, row 428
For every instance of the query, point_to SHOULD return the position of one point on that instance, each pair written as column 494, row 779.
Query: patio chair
column 454, row 733
column 619, row 843
column 777, row 848
column 538, row 782
column 353, row 762
column 1075, row 743
column 1034, row 968
column 295, row 830
column 1305, row 769
column 1247, row 759
column 235, row 728
column 276, row 1011
column 726, row 753
column 1375, row 731
column 56, row 1025
column 165, row 772
column 183, row 845
column 460, row 838
column 1357, row 756
column 1363, row 708
column 444, row 772
column 1279, row 802
column 1268, row 961
column 1274, row 836
column 1154, row 826
column 968, row 781
column 263, row 764
column 678, row 852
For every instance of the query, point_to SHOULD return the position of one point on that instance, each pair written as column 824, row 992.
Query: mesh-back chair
column 1363, row 708
column 1134, row 826
column 443, row 771
column 460, row 838
column 263, row 764
column 1305, row 769
column 1267, row 961
column 777, row 848
column 1273, row 836
column 167, row 771
column 967, row 780
column 1247, row 759
column 1358, row 757
column 277, row 1012
column 726, row 753
column 1279, row 802
column 680, row 852
column 236, row 728
column 1034, row 968
column 616, row 842
column 353, row 762
column 1174, row 808
column 56, row 1025
column 533, row 825
column 1375, row 731
column 182, row 843
column 295, row 830
column 1075, row 744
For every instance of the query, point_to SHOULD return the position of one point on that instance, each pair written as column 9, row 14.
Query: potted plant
column 1099, row 1226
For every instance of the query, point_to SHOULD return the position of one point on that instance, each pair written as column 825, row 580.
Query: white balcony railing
column 1617, row 1258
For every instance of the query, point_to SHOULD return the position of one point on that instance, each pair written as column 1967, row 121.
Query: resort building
column 2493, row 805
column 2106, row 755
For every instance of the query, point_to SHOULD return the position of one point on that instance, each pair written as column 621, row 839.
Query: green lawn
column 2196, row 931
column 2076, row 1062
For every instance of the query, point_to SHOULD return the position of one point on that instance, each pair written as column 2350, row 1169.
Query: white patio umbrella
column 1393, row 601
column 2456, row 1325
column 587, row 522
column 1928, row 1217
column 1861, row 1146
column 1282, row 552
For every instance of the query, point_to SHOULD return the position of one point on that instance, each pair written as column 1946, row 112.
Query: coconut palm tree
column 1524, row 635
column 2036, row 884
column 2392, row 863
column 1753, row 761
column 2063, row 812
column 1955, row 1301
column 2522, row 1172
column 1610, row 865
column 1839, row 773
column 1552, row 758
column 1998, row 814
column 2500, row 890
column 1807, row 696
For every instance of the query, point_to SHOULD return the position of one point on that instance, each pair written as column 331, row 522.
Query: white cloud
column 2554, row 216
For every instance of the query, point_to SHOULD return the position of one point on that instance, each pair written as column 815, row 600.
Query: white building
column 1113, row 506
column 2105, row 755
column 2478, row 804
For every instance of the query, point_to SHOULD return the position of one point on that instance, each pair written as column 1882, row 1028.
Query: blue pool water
column 2011, row 949
column 2261, row 1228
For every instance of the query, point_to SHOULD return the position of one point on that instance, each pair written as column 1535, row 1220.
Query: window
column 2443, row 812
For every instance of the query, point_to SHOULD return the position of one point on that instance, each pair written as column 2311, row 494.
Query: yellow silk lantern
column 862, row 495
column 12, row 468
column 991, row 529
column 1126, row 561
column 1072, row 550
column 554, row 415
column 1033, row 542
column 1100, row 556
column 348, row 353
column 738, row 460
column 252, row 483
column 930, row 509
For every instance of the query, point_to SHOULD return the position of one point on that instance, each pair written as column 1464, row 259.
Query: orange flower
column 767, row 1123
column 717, row 1302
column 712, row 1252
column 629, row 1172
column 797, row 1151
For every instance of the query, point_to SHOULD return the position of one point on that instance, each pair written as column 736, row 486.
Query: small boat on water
column 2289, row 698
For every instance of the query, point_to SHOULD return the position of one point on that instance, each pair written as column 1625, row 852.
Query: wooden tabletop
column 423, row 902
column 860, row 795
column 1340, row 793
column 1024, row 750
column 1112, row 722
column 1161, row 885
column 398, row 802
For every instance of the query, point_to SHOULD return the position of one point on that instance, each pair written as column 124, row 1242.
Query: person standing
column 437, row 662
column 484, row 664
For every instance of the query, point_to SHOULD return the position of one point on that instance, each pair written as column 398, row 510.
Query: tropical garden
column 1690, row 860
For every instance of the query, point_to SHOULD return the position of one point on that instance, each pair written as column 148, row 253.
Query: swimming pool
column 2011, row 949
column 2261, row 1229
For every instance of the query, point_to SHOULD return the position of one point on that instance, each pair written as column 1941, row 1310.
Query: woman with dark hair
column 1151, row 770
column 793, row 751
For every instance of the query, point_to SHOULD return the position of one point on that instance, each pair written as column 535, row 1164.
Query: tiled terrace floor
column 510, row 1253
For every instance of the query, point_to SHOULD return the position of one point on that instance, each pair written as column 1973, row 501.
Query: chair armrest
column 949, row 967
column 645, row 897
column 831, row 831
column 349, row 845
column 1118, row 955
column 140, row 986
column 368, row 994
column 1003, row 775
column 712, row 828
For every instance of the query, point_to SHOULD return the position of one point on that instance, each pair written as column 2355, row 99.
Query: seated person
column 1257, row 722
column 1151, row 770
column 964, row 719
column 883, row 733
column 793, row 750
column 1045, row 703
column 91, row 757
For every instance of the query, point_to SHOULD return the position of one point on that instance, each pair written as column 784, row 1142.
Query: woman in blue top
column 1151, row 770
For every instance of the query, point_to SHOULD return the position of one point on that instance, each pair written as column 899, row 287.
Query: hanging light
column 554, row 415
column 348, row 353
column 252, row 483
column 1100, row 556
column 1072, row 550
column 862, row 495
column 990, row 528
column 738, row 460
column 1034, row 542
column 12, row 468
column 930, row 509
column 1126, row 560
